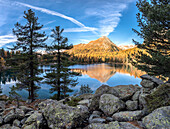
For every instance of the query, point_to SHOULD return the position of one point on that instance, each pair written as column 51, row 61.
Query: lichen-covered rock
column 158, row 119
column 97, row 120
column 35, row 121
column 85, row 102
column 83, row 108
column 6, row 126
column 110, row 104
column 97, row 113
column 147, row 84
column 152, row 79
column 158, row 98
column 62, row 116
column 125, row 92
column 1, row 120
column 131, row 105
column 26, row 109
column 92, row 117
column 104, row 89
column 2, row 105
column 16, row 123
column 142, row 101
column 111, row 125
column 135, row 97
column 126, row 125
column 14, row 114
column 127, row 116
column 85, row 96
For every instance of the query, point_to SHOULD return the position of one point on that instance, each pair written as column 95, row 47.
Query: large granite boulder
column 135, row 97
column 110, row 104
column 62, row 116
column 35, row 121
column 158, row 119
column 104, row 89
column 112, row 125
column 127, row 115
column 159, row 97
column 155, row 80
column 125, row 92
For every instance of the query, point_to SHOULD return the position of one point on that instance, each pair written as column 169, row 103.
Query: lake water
column 94, row 75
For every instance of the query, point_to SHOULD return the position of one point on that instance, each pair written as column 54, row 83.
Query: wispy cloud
column 4, row 39
column 47, row 11
column 84, row 29
column 109, row 15
column 50, row 22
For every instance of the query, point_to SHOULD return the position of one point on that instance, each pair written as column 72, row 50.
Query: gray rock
column 6, row 126
column 1, row 120
column 109, row 118
column 35, row 121
column 2, row 105
column 86, row 96
column 14, row 127
column 98, row 120
column 23, row 121
column 104, row 89
column 62, row 116
column 97, row 113
column 85, row 102
column 83, row 108
column 26, row 109
column 127, row 125
column 29, row 114
column 127, row 116
column 135, row 97
column 147, row 84
column 16, row 123
column 125, row 92
column 111, row 125
column 153, row 79
column 14, row 114
column 142, row 100
column 92, row 117
column 110, row 104
column 158, row 119
column 131, row 105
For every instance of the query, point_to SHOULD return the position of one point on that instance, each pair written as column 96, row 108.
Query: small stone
column 109, row 118
column 26, row 109
column 83, row 108
column 1, row 120
column 92, row 117
column 29, row 114
column 6, row 126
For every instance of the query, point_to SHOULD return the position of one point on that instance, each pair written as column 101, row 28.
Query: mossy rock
column 158, row 98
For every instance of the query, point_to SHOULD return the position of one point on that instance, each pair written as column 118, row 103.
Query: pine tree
column 60, row 76
column 29, row 39
column 85, row 89
column 153, row 19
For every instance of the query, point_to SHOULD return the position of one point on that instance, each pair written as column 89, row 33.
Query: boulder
column 85, row 102
column 104, row 89
column 131, row 105
column 35, row 121
column 127, row 125
column 111, row 125
column 62, row 116
column 110, row 104
column 86, row 96
column 152, row 79
column 97, row 120
column 16, row 123
column 125, row 92
column 83, row 108
column 26, row 109
column 2, row 105
column 147, row 84
column 135, row 97
column 97, row 113
column 6, row 126
column 1, row 120
column 158, row 119
column 127, row 116
column 14, row 114
column 159, row 97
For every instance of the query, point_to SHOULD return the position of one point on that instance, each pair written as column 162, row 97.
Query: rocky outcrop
column 62, row 116
column 158, row 119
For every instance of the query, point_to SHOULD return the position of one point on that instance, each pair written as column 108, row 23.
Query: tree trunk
column 58, row 72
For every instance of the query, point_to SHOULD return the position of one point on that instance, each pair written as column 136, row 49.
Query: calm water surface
column 94, row 75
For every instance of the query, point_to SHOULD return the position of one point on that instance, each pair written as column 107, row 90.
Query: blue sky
column 83, row 20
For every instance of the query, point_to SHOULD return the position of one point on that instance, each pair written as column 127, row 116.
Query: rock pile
column 119, row 107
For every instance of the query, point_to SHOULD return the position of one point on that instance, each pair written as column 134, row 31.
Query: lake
column 93, row 74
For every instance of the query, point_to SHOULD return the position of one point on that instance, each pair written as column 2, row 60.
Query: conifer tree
column 60, row 76
column 29, row 39
column 153, row 19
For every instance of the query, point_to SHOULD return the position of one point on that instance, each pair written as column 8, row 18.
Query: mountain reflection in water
column 103, row 72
